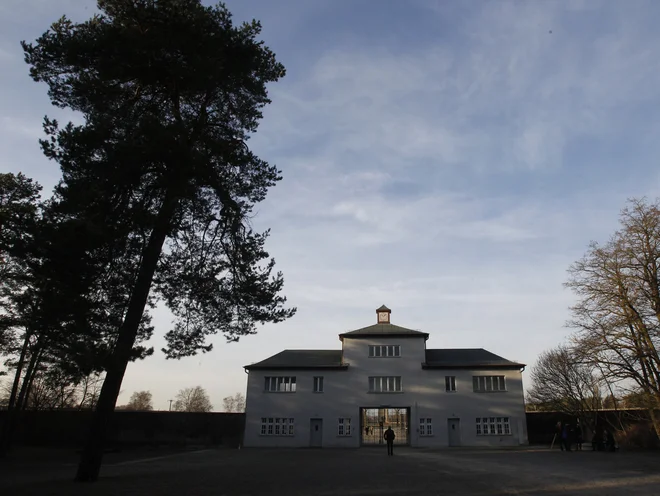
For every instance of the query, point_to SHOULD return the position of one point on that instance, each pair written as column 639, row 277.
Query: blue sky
column 449, row 159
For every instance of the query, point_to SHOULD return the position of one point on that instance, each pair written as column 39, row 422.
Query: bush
column 639, row 435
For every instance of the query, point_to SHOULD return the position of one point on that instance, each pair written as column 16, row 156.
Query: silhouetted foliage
column 159, row 179
column 60, row 308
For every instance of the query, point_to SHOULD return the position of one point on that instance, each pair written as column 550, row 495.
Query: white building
column 385, row 376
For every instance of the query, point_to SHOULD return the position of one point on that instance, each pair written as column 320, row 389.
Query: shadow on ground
column 363, row 472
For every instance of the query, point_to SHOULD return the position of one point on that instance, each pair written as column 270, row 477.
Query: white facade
column 465, row 417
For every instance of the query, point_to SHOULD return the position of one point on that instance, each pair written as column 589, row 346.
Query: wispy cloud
column 447, row 158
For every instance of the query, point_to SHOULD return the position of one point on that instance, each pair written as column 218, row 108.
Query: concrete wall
column 69, row 428
column 345, row 391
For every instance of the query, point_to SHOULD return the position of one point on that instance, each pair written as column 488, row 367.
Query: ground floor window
column 425, row 427
column 493, row 426
column 273, row 426
column 344, row 427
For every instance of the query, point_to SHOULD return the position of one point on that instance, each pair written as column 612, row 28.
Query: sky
column 448, row 159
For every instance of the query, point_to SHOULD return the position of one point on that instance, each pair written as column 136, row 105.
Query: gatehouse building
column 384, row 376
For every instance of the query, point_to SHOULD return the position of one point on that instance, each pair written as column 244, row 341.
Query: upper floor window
column 385, row 350
column 318, row 384
column 450, row 383
column 487, row 383
column 385, row 384
column 280, row 384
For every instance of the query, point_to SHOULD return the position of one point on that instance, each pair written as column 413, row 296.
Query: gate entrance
column 375, row 421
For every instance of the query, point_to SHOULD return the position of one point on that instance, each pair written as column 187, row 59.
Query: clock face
column 382, row 317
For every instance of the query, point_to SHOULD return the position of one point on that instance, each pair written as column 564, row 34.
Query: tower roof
column 384, row 330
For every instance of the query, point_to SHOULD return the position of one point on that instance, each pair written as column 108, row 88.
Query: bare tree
column 234, row 404
column 89, row 391
column 5, row 391
column 140, row 401
column 618, row 312
column 192, row 400
column 563, row 383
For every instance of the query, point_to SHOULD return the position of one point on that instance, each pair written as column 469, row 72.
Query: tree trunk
column 653, row 413
column 30, row 373
column 5, row 435
column 92, row 455
column 19, row 405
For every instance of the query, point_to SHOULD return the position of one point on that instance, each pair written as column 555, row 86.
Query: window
column 318, row 384
column 385, row 351
column 488, row 383
column 450, row 383
column 276, row 426
column 425, row 427
column 280, row 384
column 344, row 427
column 493, row 426
column 385, row 384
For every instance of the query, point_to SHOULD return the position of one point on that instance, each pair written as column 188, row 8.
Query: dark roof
column 332, row 359
column 449, row 358
column 301, row 359
column 384, row 330
column 383, row 308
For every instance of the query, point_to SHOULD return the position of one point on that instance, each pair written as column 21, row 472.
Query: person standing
column 610, row 443
column 389, row 438
column 578, row 437
column 558, row 435
column 566, row 436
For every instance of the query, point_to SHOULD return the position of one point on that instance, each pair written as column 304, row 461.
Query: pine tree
column 159, row 177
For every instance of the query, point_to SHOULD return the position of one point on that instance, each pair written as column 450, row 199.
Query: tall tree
column 617, row 315
column 140, row 401
column 234, row 404
column 170, row 91
column 60, row 307
column 193, row 399
column 20, row 212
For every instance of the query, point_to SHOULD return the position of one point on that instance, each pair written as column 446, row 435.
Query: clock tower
column 383, row 314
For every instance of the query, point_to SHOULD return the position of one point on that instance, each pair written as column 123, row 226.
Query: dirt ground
column 334, row 472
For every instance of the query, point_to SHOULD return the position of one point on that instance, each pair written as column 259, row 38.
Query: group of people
column 569, row 435
column 603, row 440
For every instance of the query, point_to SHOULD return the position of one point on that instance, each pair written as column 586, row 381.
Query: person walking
column 389, row 438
